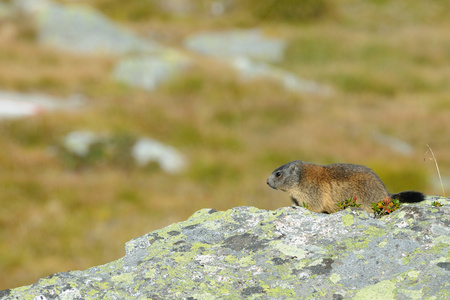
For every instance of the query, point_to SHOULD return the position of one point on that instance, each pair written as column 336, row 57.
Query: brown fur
column 321, row 187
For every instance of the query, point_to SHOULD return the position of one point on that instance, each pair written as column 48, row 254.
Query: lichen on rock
column 289, row 253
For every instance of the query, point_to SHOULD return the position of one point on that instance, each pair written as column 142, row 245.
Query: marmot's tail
column 409, row 196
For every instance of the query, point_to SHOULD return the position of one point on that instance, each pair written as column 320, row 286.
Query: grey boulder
column 249, row 253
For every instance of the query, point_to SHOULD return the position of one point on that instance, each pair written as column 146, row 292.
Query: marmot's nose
column 271, row 183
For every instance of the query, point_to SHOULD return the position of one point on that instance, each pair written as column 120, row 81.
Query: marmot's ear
column 293, row 168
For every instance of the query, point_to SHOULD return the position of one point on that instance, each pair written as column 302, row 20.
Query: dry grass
column 390, row 75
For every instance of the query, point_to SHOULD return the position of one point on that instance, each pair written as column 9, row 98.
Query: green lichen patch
column 347, row 220
column 383, row 290
column 290, row 250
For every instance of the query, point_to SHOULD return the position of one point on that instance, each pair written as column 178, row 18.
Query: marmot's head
column 285, row 177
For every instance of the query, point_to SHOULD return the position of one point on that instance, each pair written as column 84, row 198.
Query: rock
column 79, row 142
column 14, row 105
column 288, row 253
column 237, row 43
column 149, row 150
column 81, row 29
column 31, row 7
column 86, row 147
column 148, row 71
column 16, row 109
column 249, row 69
column 250, row 53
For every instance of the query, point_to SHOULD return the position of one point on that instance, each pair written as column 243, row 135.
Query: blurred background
column 121, row 117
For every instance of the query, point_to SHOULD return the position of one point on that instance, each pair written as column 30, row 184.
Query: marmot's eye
column 278, row 174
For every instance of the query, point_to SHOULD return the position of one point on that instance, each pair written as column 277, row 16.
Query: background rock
column 235, row 43
column 148, row 71
column 250, row 69
column 86, row 148
column 14, row 104
column 250, row 53
column 82, row 29
column 147, row 150
column 283, row 254
column 79, row 142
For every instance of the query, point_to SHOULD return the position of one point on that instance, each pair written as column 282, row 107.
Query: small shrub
column 436, row 204
column 384, row 207
column 350, row 202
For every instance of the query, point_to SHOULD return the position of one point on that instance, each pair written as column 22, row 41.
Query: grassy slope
column 386, row 61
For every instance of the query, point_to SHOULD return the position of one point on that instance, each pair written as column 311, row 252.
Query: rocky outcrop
column 141, row 62
column 250, row 52
column 288, row 253
column 145, row 63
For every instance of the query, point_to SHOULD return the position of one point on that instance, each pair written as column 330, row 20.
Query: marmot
column 321, row 187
